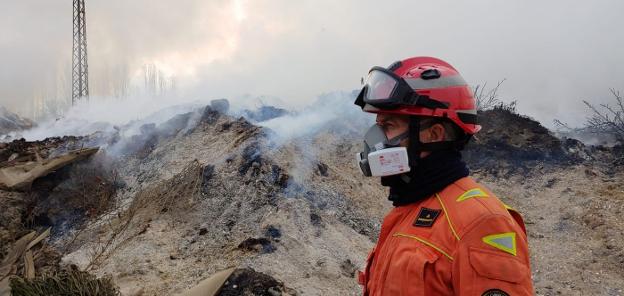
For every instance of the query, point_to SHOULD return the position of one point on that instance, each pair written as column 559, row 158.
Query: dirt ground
column 573, row 219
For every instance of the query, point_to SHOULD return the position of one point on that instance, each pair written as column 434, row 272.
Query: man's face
column 394, row 125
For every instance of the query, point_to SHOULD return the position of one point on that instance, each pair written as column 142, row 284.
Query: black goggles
column 386, row 90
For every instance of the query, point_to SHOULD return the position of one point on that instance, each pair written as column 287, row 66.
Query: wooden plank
column 29, row 265
column 210, row 286
column 5, row 287
column 16, row 252
column 41, row 237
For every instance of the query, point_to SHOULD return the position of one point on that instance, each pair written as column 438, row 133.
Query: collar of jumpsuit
column 447, row 235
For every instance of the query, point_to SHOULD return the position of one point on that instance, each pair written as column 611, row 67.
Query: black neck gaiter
column 432, row 174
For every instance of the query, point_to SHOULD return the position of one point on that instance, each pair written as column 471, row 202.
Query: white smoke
column 105, row 115
column 131, row 123
column 332, row 112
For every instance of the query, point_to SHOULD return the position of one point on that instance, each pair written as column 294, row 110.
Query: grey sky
column 552, row 53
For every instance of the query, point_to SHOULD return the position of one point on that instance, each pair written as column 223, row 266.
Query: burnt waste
column 512, row 143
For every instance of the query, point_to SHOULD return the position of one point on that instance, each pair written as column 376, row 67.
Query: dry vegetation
column 606, row 118
column 64, row 283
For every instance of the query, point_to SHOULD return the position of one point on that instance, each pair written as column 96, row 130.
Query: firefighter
column 447, row 234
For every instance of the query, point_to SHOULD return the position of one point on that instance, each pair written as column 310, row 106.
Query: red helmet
column 421, row 86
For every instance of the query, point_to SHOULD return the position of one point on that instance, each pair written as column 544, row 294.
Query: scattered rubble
column 322, row 169
column 259, row 245
column 248, row 282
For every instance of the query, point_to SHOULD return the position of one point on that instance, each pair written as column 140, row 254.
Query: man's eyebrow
column 384, row 121
column 390, row 120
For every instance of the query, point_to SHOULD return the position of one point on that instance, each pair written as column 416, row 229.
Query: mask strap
column 396, row 141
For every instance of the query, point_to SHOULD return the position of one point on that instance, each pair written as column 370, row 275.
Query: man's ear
column 437, row 133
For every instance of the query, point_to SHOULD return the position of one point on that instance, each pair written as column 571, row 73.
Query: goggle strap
column 428, row 102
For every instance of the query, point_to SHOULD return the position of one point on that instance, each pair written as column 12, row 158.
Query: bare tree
column 562, row 126
column 607, row 119
column 121, row 81
column 487, row 99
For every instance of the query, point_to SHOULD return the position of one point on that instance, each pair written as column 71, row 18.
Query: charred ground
column 512, row 143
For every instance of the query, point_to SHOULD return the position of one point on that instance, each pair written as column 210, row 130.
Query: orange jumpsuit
column 461, row 241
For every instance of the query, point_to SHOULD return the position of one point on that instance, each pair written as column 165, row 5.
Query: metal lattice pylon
column 80, row 69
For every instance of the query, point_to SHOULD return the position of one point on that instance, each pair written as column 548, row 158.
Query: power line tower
column 80, row 69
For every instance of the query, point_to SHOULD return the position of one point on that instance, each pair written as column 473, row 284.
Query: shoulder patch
column 503, row 241
column 494, row 292
column 426, row 217
column 475, row 192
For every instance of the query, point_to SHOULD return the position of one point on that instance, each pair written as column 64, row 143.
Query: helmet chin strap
column 413, row 149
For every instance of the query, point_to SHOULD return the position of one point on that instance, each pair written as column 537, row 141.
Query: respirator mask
column 382, row 156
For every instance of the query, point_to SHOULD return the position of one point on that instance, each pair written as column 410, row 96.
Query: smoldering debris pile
column 512, row 143
column 219, row 194
column 30, row 172
column 265, row 113
column 11, row 122
column 46, row 187
column 177, row 201
column 22, row 150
